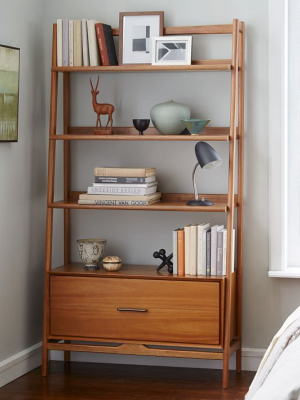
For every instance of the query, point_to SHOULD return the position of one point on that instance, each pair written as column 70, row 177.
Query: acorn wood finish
column 212, row 325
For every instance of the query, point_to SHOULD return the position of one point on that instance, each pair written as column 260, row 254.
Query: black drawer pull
column 132, row 309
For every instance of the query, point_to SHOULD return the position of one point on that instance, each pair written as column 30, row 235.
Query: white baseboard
column 250, row 362
column 20, row 363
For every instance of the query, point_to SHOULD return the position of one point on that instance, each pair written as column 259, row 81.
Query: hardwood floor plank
column 86, row 381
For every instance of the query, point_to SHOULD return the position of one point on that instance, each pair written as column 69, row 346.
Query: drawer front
column 135, row 309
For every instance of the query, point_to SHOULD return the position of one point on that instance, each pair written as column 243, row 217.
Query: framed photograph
column 136, row 30
column 9, row 93
column 172, row 50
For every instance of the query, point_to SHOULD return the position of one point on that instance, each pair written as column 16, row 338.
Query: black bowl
column 141, row 125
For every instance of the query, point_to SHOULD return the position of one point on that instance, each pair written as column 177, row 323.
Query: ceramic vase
column 167, row 117
column 91, row 252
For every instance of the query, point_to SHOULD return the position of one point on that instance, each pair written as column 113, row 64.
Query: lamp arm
column 194, row 181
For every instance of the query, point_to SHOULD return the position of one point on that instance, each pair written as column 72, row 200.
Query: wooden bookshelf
column 193, row 312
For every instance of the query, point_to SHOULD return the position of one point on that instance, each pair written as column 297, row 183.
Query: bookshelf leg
column 67, row 353
column 239, row 361
column 225, row 372
column 44, row 359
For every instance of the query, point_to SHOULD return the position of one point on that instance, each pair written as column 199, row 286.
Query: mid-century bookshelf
column 137, row 310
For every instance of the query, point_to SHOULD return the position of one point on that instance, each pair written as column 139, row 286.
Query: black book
column 106, row 44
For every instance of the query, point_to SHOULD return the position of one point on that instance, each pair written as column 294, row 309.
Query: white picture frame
column 162, row 54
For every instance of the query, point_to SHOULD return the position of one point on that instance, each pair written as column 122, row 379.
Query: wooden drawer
column 178, row 312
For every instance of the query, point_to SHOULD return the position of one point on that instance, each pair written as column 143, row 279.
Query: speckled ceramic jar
column 167, row 117
column 91, row 252
column 112, row 263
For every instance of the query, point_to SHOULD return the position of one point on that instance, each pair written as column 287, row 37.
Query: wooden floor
column 107, row 381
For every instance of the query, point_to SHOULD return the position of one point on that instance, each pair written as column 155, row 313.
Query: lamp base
column 199, row 203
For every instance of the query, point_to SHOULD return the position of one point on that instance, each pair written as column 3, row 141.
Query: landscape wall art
column 9, row 93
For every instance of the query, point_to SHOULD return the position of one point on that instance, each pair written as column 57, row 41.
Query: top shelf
column 197, row 65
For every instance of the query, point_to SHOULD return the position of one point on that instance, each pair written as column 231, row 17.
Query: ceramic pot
column 112, row 263
column 195, row 126
column 91, row 252
column 167, row 117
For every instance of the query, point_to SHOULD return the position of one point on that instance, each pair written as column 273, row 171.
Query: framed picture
column 135, row 36
column 172, row 50
column 9, row 93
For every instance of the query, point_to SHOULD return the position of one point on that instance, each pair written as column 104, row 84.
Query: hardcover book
column 193, row 250
column 119, row 202
column 127, row 180
column 187, row 250
column 200, row 269
column 71, row 44
column 127, row 185
column 77, row 44
column 204, row 252
column 65, row 42
column 59, row 50
column 93, row 45
column 106, row 44
column 220, row 252
column 180, row 251
column 124, row 172
column 214, row 231
column 175, row 263
column 208, row 253
column 125, row 191
column 85, row 48
column 156, row 195
column 224, row 251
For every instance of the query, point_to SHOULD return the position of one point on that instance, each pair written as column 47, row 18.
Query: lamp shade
column 207, row 156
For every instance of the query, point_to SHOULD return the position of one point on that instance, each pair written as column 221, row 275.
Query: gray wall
column 134, row 236
column 22, row 182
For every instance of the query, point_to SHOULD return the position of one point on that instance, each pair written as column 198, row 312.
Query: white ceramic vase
column 91, row 252
column 167, row 117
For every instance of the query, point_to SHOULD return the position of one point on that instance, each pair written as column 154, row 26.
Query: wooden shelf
column 213, row 134
column 169, row 202
column 197, row 65
column 129, row 271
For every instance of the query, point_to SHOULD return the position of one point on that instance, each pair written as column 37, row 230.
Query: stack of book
column 84, row 43
column 200, row 249
column 122, row 187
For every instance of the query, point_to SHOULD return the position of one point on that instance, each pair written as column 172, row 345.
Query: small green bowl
column 195, row 126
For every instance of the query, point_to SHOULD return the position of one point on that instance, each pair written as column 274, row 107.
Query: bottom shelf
column 128, row 271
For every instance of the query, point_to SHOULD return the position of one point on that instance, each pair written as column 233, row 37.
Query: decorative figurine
column 102, row 109
column 166, row 260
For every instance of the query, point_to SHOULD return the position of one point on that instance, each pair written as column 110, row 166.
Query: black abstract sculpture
column 166, row 260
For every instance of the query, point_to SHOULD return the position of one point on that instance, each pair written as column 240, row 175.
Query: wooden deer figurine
column 101, row 109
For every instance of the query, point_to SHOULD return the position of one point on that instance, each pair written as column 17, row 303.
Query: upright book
column 106, row 44
column 77, row 44
column 214, row 231
column 93, row 44
column 187, row 230
column 65, row 42
column 193, row 250
column 59, row 46
column 71, row 43
column 201, row 270
column 175, row 247
column 180, row 251
column 85, row 48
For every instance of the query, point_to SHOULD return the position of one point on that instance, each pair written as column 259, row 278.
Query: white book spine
column 193, row 250
column 124, row 191
column 65, row 42
column 85, row 50
column 126, row 185
column 224, row 251
column 59, row 60
column 175, row 265
column 187, row 250
column 200, row 249
column 117, row 202
column 204, row 252
column 214, row 234
column 71, row 44
column 93, row 45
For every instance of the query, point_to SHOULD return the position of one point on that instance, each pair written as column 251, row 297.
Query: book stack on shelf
column 84, row 43
column 122, row 187
column 200, row 249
